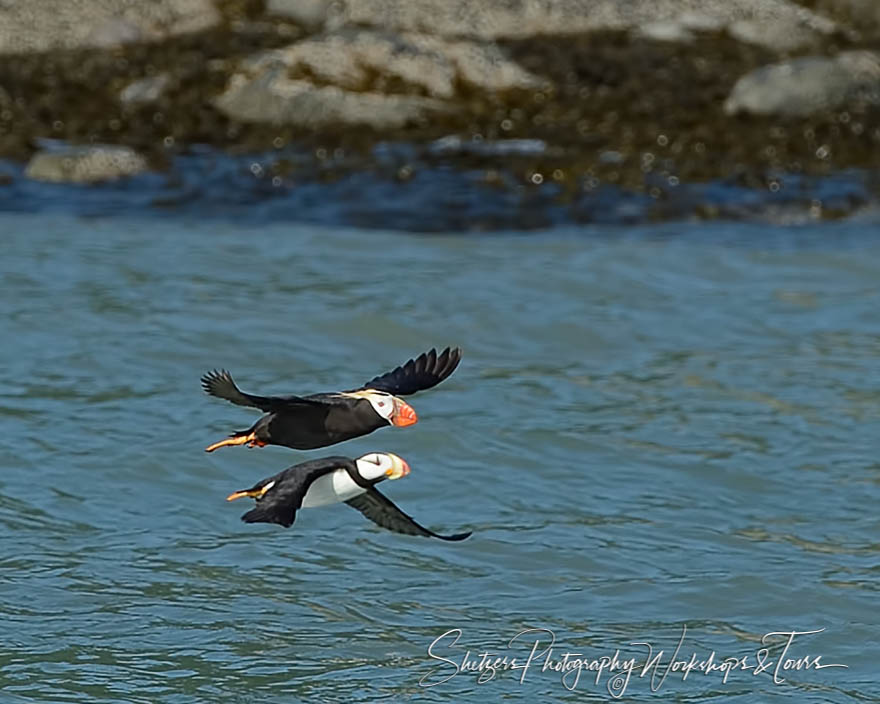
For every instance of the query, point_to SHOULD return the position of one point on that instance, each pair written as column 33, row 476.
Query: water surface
column 651, row 428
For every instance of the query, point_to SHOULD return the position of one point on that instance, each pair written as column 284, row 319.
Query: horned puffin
column 333, row 480
column 319, row 420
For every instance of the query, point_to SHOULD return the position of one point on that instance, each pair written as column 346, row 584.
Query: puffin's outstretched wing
column 220, row 384
column 285, row 495
column 381, row 511
column 423, row 372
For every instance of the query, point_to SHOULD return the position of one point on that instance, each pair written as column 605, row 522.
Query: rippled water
column 651, row 429
column 420, row 189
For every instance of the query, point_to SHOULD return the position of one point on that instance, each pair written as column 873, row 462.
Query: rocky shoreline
column 577, row 94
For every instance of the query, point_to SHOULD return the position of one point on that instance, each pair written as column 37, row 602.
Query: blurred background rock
column 560, row 97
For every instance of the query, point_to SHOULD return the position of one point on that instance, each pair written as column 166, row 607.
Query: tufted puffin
column 332, row 480
column 318, row 420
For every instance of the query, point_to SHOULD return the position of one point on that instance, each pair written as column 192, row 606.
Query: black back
column 284, row 499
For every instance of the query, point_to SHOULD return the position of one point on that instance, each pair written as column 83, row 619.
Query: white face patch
column 383, row 404
column 374, row 465
column 266, row 487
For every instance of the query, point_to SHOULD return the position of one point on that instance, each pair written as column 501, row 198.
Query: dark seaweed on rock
column 617, row 110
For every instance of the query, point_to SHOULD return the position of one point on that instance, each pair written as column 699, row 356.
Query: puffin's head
column 377, row 466
column 395, row 410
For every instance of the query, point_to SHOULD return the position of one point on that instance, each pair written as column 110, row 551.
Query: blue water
column 653, row 429
column 420, row 189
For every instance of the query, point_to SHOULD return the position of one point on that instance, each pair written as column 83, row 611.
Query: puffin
column 334, row 480
column 319, row 420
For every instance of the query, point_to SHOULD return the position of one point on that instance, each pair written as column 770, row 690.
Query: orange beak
column 404, row 414
column 399, row 467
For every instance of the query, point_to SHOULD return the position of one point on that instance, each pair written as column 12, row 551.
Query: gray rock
column 146, row 90
column 114, row 31
column 776, row 34
column 493, row 19
column 807, row 85
column 273, row 98
column 332, row 79
column 33, row 26
column 85, row 164
column 311, row 14
column 700, row 22
column 666, row 31
column 862, row 15
column 772, row 34
column 350, row 59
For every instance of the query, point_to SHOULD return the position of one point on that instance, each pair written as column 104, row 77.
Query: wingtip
column 454, row 537
column 210, row 377
column 450, row 359
column 214, row 378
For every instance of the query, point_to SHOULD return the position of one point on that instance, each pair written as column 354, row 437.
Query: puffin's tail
column 266, row 512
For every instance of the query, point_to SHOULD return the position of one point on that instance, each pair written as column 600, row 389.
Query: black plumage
column 419, row 374
column 383, row 512
column 319, row 420
column 280, row 503
column 288, row 489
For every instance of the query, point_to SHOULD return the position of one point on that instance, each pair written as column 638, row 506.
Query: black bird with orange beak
column 334, row 480
column 319, row 420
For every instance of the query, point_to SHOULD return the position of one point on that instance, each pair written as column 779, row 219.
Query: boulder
column 70, row 24
column 807, row 85
column 776, row 34
column 495, row 19
column 352, row 59
column 310, row 14
column 666, row 31
column 146, row 90
column 274, row 98
column 85, row 164
column 862, row 15
column 366, row 77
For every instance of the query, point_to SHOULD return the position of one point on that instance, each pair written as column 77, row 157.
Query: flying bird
column 319, row 420
column 333, row 480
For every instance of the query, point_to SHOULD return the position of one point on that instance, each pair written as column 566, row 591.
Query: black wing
column 220, row 384
column 284, row 499
column 381, row 511
column 427, row 370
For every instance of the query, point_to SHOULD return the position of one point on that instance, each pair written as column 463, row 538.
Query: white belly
column 331, row 488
